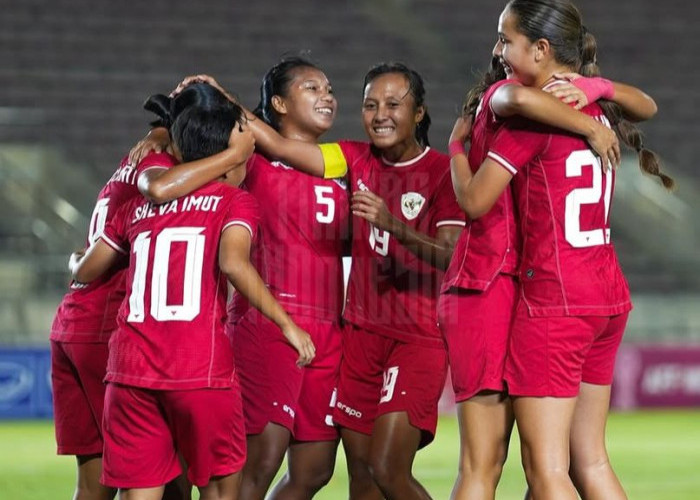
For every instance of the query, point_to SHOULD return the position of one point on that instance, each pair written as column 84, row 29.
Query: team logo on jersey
column 411, row 204
column 340, row 182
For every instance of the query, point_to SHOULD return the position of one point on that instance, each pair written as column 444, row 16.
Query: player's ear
column 420, row 113
column 279, row 105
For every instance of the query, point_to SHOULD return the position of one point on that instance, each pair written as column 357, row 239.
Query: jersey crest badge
column 411, row 204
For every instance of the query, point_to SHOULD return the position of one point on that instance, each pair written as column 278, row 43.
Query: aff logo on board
column 411, row 204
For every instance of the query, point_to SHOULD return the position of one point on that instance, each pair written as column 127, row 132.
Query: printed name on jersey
column 125, row 173
column 411, row 204
column 205, row 203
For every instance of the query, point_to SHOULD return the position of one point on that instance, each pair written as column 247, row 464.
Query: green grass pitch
column 656, row 454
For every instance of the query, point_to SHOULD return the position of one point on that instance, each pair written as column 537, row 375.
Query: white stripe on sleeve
column 502, row 162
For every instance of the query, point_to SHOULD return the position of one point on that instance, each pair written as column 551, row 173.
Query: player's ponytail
column 159, row 105
column 628, row 132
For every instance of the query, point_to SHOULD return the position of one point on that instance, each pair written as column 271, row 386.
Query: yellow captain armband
column 333, row 160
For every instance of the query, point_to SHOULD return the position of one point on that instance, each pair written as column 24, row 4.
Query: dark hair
column 276, row 82
column 560, row 23
column 494, row 74
column 199, row 119
column 416, row 88
column 167, row 108
column 201, row 131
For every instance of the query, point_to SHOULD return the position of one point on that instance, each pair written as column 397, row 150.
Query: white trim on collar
column 409, row 162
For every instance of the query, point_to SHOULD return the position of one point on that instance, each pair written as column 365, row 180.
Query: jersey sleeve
column 115, row 231
column 516, row 144
column 339, row 157
column 155, row 160
column 446, row 208
column 243, row 211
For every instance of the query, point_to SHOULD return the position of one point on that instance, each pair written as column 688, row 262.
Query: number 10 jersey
column 170, row 332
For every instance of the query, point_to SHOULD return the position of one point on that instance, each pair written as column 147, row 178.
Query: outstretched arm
column 303, row 156
column 535, row 104
column 580, row 91
column 234, row 261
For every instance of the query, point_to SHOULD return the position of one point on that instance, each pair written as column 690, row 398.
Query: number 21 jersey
column 569, row 266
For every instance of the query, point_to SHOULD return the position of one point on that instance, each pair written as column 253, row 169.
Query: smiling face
column 514, row 50
column 390, row 116
column 309, row 107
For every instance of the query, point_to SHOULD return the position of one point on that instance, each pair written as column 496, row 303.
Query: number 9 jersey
column 569, row 266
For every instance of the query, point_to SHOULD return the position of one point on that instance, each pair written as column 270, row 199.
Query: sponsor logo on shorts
column 351, row 412
column 288, row 410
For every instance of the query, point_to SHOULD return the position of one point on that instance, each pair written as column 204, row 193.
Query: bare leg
column 394, row 445
column 357, row 449
column 310, row 466
column 178, row 489
column 88, row 485
column 222, row 488
column 544, row 425
column 265, row 455
column 590, row 470
column 485, row 425
column 141, row 493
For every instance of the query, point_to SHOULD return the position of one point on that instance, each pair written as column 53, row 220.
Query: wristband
column 595, row 88
column 456, row 148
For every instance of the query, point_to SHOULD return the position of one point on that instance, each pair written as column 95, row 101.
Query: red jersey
column 391, row 291
column 88, row 312
column 170, row 332
column 569, row 266
column 488, row 245
column 303, row 228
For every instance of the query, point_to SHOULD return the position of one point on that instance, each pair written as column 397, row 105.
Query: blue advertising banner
column 25, row 383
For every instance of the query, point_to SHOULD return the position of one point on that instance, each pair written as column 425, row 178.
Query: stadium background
column 74, row 74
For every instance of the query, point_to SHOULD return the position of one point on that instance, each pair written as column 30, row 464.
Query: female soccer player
column 406, row 221
column 479, row 291
column 573, row 298
column 304, row 225
column 87, row 316
column 170, row 369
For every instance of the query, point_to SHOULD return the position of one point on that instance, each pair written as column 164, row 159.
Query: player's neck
column 548, row 77
column 298, row 134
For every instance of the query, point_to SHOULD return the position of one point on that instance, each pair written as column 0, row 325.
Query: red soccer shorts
column 77, row 371
column 275, row 389
column 476, row 327
column 380, row 375
column 145, row 429
column 551, row 356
